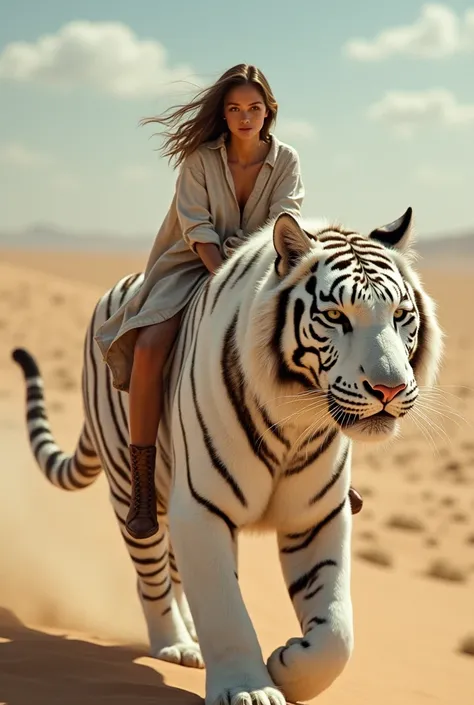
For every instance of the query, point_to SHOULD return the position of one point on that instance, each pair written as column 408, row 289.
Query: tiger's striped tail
column 69, row 472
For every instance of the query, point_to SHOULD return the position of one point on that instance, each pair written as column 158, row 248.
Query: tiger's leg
column 181, row 595
column 168, row 635
column 316, row 567
column 203, row 539
column 181, row 598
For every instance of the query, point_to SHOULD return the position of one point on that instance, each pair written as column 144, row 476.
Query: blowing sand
column 71, row 630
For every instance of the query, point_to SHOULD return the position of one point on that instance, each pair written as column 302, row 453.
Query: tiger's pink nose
column 386, row 394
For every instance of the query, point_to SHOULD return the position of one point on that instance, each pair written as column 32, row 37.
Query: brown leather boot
column 142, row 520
column 355, row 500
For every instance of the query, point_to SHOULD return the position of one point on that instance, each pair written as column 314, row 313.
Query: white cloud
column 19, row 155
column 438, row 32
column 407, row 111
column 106, row 56
column 293, row 129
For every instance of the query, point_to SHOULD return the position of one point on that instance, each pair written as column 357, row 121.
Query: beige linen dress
column 204, row 209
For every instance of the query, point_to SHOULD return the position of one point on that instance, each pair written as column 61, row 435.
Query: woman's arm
column 192, row 204
column 210, row 255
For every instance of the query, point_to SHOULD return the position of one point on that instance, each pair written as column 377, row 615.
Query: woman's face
column 245, row 111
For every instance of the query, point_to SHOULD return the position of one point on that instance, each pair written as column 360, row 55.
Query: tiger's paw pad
column 182, row 654
column 240, row 696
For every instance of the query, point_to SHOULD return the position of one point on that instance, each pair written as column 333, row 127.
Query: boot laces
column 144, row 485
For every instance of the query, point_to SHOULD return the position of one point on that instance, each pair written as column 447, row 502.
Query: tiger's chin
column 373, row 429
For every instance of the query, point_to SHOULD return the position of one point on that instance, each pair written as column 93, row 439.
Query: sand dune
column 71, row 629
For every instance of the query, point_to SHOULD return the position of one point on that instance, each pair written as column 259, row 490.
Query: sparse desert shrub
column 365, row 490
column 376, row 556
column 57, row 353
column 467, row 645
column 442, row 569
column 57, row 299
column 470, row 539
column 64, row 378
column 413, row 477
column 459, row 518
column 405, row 522
column 432, row 542
column 404, row 458
column 465, row 392
column 453, row 466
column 448, row 501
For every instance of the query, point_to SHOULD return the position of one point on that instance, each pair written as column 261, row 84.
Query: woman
column 234, row 176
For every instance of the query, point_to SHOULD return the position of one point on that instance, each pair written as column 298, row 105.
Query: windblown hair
column 206, row 113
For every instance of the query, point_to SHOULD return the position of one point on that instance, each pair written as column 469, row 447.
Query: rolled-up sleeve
column 192, row 204
column 289, row 191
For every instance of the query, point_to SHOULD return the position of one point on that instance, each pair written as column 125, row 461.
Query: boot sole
column 146, row 535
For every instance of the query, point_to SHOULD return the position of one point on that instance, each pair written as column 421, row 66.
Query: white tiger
column 308, row 337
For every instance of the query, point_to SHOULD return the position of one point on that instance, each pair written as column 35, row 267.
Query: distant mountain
column 450, row 246
column 46, row 236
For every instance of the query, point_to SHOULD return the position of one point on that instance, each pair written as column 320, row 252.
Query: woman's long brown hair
column 206, row 110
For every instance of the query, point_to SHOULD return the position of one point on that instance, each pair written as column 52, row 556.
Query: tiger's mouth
column 378, row 426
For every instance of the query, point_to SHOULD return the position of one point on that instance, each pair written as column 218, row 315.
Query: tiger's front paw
column 304, row 668
column 243, row 695
column 243, row 684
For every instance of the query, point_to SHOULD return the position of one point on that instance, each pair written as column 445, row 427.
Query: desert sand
column 71, row 630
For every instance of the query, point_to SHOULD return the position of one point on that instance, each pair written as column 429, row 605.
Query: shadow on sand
column 43, row 669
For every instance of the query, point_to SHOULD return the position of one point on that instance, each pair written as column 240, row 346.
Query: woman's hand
column 210, row 255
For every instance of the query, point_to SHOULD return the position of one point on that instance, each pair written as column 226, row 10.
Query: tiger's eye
column 334, row 314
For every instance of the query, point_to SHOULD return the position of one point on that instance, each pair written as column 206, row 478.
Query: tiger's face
column 354, row 329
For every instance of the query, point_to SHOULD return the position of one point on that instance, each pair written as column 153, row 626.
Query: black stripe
column 217, row 462
column 311, row 535
column 225, row 280
column 295, row 469
column 137, row 544
column 253, row 260
column 308, row 578
column 284, row 373
column 191, row 325
column 236, row 387
column 164, row 594
column 101, row 445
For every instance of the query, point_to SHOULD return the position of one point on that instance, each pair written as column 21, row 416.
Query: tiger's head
column 353, row 323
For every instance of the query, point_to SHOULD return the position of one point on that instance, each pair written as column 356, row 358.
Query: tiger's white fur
column 266, row 392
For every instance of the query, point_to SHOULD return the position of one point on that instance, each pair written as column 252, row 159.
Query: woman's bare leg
column 152, row 349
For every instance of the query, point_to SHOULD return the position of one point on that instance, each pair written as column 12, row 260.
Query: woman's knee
column 154, row 343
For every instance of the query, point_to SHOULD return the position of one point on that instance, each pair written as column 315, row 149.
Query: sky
column 377, row 98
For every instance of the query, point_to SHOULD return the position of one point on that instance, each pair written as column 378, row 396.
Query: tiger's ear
column 396, row 234
column 290, row 242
